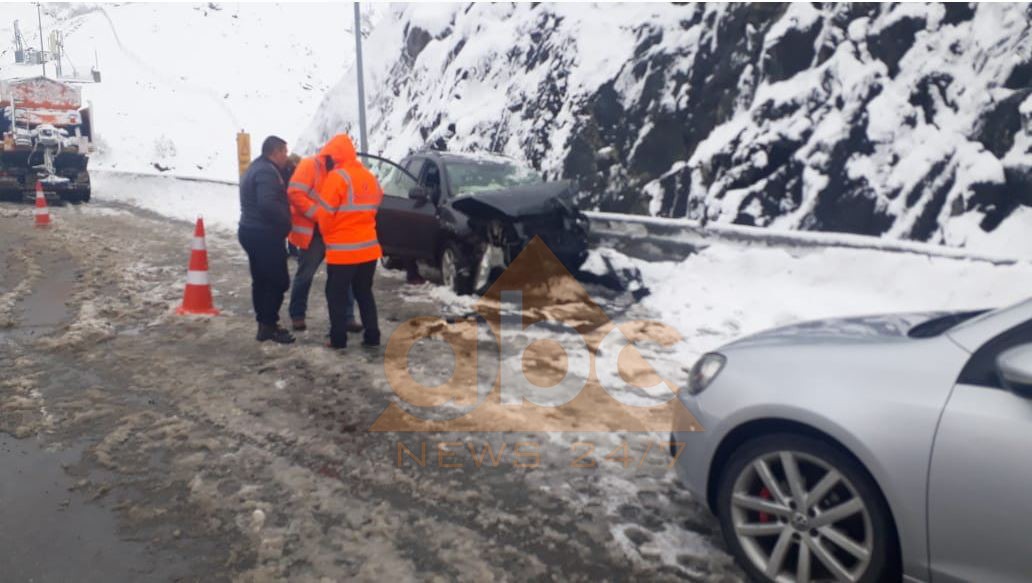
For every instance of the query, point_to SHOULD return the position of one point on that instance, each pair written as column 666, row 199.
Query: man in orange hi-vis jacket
column 304, row 234
column 346, row 207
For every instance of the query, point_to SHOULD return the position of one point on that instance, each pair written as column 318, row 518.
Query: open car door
column 406, row 223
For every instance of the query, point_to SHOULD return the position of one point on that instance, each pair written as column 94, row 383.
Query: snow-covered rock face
column 908, row 121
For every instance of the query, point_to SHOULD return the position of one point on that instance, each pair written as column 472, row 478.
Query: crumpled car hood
column 519, row 201
column 846, row 330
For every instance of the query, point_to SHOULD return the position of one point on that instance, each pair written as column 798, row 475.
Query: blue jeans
column 308, row 263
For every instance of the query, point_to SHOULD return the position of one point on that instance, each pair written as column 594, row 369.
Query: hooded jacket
column 304, row 183
column 346, row 206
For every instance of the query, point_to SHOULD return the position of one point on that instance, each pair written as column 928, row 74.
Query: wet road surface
column 138, row 445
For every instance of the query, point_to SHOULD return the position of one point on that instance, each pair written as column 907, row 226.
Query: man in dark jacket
column 264, row 226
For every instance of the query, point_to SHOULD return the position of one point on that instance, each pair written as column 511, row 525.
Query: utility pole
column 42, row 50
column 19, row 45
column 363, row 144
column 57, row 51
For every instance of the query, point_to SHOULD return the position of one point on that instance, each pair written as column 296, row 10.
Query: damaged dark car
column 462, row 218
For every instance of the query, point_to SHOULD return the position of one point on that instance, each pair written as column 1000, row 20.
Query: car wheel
column 454, row 271
column 793, row 508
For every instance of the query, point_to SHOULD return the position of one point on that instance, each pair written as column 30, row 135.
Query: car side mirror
column 1015, row 368
column 419, row 194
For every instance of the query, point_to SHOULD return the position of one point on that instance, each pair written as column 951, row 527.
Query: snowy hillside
column 179, row 80
column 905, row 120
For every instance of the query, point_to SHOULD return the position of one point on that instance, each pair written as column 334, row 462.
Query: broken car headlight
column 705, row 370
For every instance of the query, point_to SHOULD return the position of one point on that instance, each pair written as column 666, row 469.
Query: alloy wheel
column 797, row 518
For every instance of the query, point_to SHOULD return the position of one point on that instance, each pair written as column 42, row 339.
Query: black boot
column 274, row 333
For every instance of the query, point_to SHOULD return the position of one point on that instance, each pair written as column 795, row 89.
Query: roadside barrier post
column 243, row 151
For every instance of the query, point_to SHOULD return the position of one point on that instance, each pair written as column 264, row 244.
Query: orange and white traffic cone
column 41, row 211
column 197, row 297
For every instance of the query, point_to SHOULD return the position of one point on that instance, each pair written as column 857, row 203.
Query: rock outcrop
column 906, row 121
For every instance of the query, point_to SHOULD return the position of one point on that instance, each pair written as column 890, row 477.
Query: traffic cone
column 41, row 211
column 197, row 297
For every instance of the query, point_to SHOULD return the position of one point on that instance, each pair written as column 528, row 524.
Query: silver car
column 869, row 449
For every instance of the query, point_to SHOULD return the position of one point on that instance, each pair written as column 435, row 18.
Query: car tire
column 861, row 543
column 455, row 269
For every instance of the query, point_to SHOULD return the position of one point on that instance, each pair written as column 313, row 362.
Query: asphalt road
column 137, row 445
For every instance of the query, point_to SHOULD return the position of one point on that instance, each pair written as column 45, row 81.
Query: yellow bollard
column 243, row 151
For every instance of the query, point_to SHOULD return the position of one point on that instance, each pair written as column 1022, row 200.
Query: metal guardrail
column 186, row 178
column 661, row 239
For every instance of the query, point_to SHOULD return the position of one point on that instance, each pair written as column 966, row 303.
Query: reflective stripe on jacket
column 346, row 206
column 301, row 192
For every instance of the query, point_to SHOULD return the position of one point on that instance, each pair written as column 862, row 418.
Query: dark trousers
column 308, row 262
column 411, row 270
column 267, row 256
column 359, row 279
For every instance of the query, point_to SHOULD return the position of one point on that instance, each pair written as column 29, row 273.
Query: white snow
column 179, row 80
column 517, row 80
column 725, row 292
column 474, row 86
column 972, row 58
column 218, row 204
column 1012, row 237
column 172, row 101
column 799, row 15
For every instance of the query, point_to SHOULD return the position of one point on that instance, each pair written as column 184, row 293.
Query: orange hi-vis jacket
column 304, row 182
column 346, row 205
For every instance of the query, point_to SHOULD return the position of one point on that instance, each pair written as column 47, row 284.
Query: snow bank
column 185, row 200
column 725, row 292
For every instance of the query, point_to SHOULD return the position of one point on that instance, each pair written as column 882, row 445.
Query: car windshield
column 482, row 176
column 1020, row 311
column 939, row 324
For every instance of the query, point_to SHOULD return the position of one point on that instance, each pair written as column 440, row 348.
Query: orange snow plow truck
column 47, row 138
